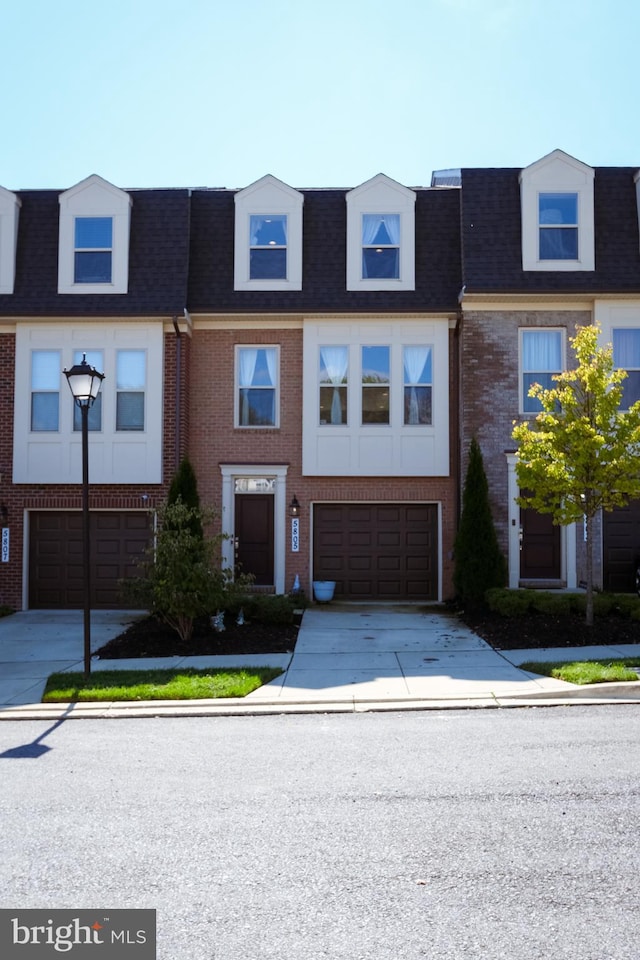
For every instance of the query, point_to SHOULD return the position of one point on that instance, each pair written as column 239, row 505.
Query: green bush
column 554, row 604
column 276, row 609
column 509, row 603
column 479, row 562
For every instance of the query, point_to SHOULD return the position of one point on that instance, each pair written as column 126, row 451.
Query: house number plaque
column 295, row 534
column 4, row 550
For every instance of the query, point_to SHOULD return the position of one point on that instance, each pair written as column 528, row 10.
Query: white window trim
column 94, row 197
column 381, row 194
column 557, row 173
column 262, row 198
column 391, row 449
column 236, row 392
column 563, row 354
column 116, row 456
column 9, row 217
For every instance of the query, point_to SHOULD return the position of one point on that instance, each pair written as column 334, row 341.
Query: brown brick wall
column 21, row 497
column 489, row 385
column 215, row 441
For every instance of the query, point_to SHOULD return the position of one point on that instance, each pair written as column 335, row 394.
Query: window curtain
column 270, row 357
column 415, row 359
column 335, row 361
column 246, row 370
column 626, row 349
column 541, row 351
column 371, row 224
column 265, row 229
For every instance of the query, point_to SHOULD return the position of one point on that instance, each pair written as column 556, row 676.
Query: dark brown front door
column 254, row 536
column 540, row 550
column 56, row 577
column 377, row 551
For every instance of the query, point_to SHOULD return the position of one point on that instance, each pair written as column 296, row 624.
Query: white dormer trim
column 557, row 173
column 9, row 215
column 636, row 180
column 381, row 195
column 268, row 196
column 94, row 197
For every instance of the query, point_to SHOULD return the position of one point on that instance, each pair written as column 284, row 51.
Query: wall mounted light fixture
column 294, row 507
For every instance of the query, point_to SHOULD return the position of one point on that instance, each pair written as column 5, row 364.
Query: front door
column 254, row 546
column 540, row 546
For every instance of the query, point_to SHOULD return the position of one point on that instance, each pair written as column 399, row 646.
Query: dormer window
column 93, row 246
column 268, row 250
column 268, row 237
column 556, row 195
column 381, row 236
column 558, row 220
column 93, row 250
column 381, row 246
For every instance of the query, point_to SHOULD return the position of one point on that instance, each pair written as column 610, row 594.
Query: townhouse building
column 324, row 357
column 545, row 249
column 299, row 345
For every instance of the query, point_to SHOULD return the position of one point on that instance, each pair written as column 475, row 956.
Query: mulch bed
column 539, row 630
column 151, row 638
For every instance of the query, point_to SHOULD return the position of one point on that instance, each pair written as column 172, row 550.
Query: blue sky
column 155, row 93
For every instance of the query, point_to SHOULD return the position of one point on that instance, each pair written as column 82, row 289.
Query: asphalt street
column 455, row 834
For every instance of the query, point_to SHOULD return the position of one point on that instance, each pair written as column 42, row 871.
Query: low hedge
column 276, row 609
column 519, row 603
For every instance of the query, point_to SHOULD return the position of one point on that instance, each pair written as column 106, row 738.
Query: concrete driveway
column 347, row 657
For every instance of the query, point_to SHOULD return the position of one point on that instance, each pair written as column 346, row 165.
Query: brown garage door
column 378, row 551
column 621, row 547
column 55, row 557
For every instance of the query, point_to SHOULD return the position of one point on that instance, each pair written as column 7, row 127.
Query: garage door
column 377, row 551
column 55, row 558
column 621, row 547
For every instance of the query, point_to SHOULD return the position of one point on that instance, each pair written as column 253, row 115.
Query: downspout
column 178, row 410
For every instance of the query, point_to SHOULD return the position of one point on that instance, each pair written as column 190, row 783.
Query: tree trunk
column 589, row 529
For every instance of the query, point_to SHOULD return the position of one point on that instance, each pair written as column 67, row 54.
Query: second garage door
column 377, row 551
column 55, row 557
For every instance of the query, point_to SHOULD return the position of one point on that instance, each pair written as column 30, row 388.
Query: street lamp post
column 85, row 382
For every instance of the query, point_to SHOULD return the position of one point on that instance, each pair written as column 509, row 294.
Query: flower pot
column 323, row 590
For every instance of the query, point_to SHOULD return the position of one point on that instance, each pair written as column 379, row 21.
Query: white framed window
column 626, row 356
column 95, row 358
column 257, row 378
column 558, row 226
column 376, row 397
column 268, row 246
column 556, row 195
column 375, row 372
column 93, row 242
column 418, row 385
column 131, row 381
column 268, row 236
column 126, row 420
column 381, row 236
column 541, row 358
column 93, row 249
column 381, row 246
column 45, row 391
column 9, row 217
column 334, row 381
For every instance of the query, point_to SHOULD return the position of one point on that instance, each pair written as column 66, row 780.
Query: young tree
column 184, row 487
column 581, row 454
column 479, row 562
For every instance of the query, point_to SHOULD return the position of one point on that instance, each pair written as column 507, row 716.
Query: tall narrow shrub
column 184, row 488
column 479, row 562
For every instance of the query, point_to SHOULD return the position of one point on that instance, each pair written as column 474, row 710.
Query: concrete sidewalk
column 348, row 657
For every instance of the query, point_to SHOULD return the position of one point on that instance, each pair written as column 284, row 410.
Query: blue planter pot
column 323, row 590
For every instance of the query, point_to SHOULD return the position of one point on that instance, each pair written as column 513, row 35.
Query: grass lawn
column 587, row 671
column 178, row 684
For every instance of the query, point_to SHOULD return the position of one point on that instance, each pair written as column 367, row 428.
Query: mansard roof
column 158, row 267
column 491, row 236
